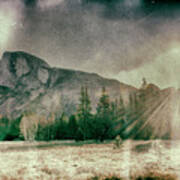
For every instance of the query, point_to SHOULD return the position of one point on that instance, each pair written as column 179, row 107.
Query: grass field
column 81, row 161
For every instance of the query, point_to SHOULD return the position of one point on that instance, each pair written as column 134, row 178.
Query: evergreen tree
column 55, row 130
column 72, row 127
column 103, row 107
column 118, row 114
column 46, row 132
column 84, row 113
column 114, row 110
column 9, row 129
column 14, row 129
column 61, row 127
column 103, row 122
column 4, row 127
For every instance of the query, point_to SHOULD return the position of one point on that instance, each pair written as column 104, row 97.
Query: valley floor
column 68, row 162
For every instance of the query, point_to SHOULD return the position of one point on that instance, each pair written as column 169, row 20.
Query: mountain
column 28, row 83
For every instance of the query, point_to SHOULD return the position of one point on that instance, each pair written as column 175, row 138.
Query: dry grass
column 85, row 162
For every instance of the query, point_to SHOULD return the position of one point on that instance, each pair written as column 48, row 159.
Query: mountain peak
column 20, row 68
column 20, row 56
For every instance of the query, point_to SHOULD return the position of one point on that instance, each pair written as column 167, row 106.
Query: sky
column 122, row 39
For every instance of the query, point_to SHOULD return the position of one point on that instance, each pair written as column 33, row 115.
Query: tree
column 72, row 127
column 103, row 107
column 84, row 113
column 103, row 122
column 14, row 129
column 114, row 110
column 4, row 127
column 61, row 127
column 134, row 116
column 118, row 114
column 9, row 129
column 46, row 132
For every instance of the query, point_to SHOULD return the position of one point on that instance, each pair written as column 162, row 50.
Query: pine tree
column 104, row 120
column 84, row 113
column 61, row 127
column 114, row 109
column 4, row 127
column 103, row 108
column 118, row 114
column 72, row 127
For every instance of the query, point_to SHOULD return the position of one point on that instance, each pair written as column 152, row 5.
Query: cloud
column 162, row 72
column 10, row 15
column 105, row 37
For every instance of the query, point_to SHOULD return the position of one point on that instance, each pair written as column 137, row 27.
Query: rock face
column 28, row 83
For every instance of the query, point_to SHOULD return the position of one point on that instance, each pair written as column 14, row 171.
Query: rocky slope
column 28, row 83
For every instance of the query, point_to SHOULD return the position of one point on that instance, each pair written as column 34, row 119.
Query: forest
column 112, row 118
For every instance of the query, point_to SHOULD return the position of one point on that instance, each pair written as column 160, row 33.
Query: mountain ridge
column 26, row 77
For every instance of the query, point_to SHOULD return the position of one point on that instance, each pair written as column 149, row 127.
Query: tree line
column 110, row 119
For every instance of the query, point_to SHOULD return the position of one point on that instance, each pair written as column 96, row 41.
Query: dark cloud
column 30, row 3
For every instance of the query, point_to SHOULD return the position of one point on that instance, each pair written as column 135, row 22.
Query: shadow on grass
column 153, row 176
column 107, row 178
column 45, row 145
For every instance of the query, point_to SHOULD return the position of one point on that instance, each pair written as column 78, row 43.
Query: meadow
column 68, row 160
